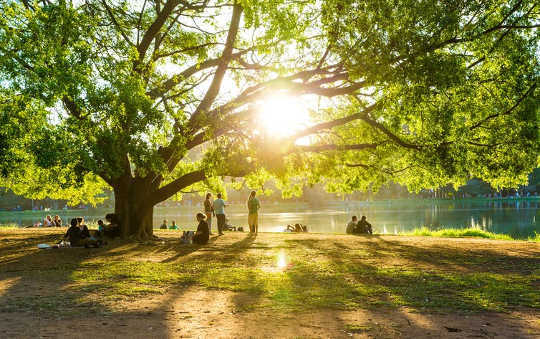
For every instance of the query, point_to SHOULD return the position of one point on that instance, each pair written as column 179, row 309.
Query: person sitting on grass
column 173, row 226
column 164, row 225
column 202, row 235
column 363, row 226
column 75, row 237
column 85, row 233
column 351, row 225
column 47, row 222
column 57, row 221
column 112, row 230
column 101, row 227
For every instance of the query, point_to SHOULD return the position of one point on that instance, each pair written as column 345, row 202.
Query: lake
column 507, row 216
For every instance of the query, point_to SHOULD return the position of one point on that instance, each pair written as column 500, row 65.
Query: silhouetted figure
column 112, row 230
column 351, row 226
column 363, row 226
column 164, row 225
column 202, row 235
column 253, row 206
column 209, row 210
column 219, row 210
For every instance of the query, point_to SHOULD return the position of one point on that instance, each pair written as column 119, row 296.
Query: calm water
column 515, row 217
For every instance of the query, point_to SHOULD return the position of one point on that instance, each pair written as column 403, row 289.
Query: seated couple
column 49, row 222
column 296, row 228
column 78, row 235
column 201, row 236
column 359, row 227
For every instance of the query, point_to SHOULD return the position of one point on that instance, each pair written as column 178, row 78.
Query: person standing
column 253, row 206
column 219, row 211
column 209, row 211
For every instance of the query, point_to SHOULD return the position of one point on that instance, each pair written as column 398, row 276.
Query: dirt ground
column 198, row 312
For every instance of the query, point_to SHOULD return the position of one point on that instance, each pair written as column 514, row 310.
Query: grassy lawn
column 291, row 272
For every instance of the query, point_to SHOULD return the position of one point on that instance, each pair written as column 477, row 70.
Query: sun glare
column 282, row 115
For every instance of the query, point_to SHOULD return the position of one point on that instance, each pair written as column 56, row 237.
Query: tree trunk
column 134, row 210
column 135, row 198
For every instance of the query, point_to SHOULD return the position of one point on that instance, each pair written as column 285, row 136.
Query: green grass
column 457, row 233
column 320, row 272
column 535, row 237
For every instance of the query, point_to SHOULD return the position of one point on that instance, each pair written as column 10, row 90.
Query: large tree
column 151, row 97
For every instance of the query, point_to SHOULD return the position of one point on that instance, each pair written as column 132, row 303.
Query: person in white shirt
column 219, row 211
column 47, row 222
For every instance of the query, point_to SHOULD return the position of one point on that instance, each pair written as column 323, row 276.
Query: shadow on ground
column 320, row 285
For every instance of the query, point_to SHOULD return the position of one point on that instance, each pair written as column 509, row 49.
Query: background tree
column 152, row 97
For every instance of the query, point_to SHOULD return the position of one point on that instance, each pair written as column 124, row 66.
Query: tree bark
column 135, row 198
column 135, row 211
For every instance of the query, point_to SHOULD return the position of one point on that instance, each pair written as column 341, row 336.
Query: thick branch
column 223, row 64
column 155, row 27
column 115, row 22
column 388, row 133
column 332, row 147
column 331, row 124
column 175, row 80
column 173, row 187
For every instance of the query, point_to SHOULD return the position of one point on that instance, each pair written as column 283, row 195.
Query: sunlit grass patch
column 284, row 273
column 457, row 233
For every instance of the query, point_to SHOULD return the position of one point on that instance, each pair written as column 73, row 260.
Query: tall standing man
column 219, row 211
column 209, row 211
column 253, row 206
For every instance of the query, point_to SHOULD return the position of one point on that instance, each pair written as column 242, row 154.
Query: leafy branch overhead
column 161, row 95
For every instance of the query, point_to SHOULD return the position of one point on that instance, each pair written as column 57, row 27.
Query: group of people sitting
column 296, row 228
column 79, row 235
column 359, row 227
column 50, row 222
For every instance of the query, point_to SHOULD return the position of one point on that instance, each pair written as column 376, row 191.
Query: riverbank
column 270, row 285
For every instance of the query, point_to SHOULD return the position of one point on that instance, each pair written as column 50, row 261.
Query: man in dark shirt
column 202, row 235
column 363, row 226
column 73, row 234
column 77, row 237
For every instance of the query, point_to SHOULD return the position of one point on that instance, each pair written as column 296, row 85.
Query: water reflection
column 498, row 216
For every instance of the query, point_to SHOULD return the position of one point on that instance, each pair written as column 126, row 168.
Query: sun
column 282, row 115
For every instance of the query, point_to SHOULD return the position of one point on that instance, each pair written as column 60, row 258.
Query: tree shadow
column 44, row 285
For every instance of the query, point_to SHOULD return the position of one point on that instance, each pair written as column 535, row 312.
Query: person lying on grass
column 296, row 228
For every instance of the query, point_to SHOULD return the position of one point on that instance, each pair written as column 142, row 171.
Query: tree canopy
column 151, row 97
